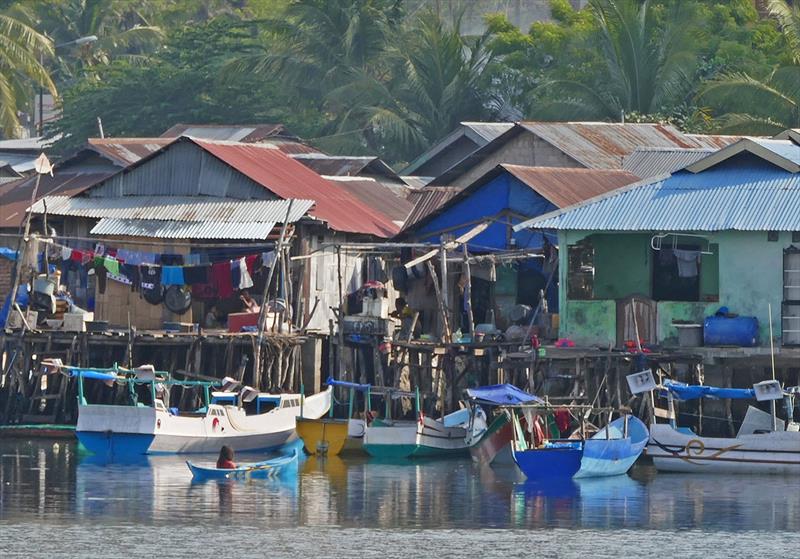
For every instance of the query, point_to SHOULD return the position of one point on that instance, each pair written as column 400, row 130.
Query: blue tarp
column 22, row 301
column 501, row 395
column 88, row 373
column 344, row 384
column 693, row 392
column 8, row 253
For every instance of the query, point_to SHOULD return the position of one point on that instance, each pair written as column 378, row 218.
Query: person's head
column 226, row 453
column 399, row 304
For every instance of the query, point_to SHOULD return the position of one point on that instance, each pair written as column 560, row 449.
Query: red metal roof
column 567, row 186
column 287, row 178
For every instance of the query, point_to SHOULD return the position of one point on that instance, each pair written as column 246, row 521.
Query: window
column 580, row 271
column 676, row 273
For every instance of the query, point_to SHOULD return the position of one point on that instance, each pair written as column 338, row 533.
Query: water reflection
column 52, row 481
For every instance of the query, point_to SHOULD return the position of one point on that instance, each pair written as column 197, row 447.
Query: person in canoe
column 225, row 460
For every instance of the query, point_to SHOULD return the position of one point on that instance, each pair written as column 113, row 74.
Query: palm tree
column 122, row 27
column 748, row 105
column 437, row 81
column 646, row 61
column 21, row 49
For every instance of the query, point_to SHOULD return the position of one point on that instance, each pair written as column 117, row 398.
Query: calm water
column 55, row 502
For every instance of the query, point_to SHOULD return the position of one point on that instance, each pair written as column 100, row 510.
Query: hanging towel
column 236, row 274
column 77, row 256
column 267, row 258
column 245, row 281
column 221, row 279
column 251, row 263
column 172, row 275
column 687, row 262
column 66, row 253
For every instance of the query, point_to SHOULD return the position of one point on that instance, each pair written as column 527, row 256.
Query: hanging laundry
column 170, row 259
column 172, row 275
column 268, row 259
column 195, row 275
column 66, row 253
column 236, row 273
column 131, row 271
column 111, row 264
column 245, row 281
column 251, row 263
column 221, row 279
column 77, row 256
column 192, row 259
column 687, row 262
column 150, row 277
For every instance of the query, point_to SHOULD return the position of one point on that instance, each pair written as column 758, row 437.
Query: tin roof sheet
column 345, row 165
column 175, row 208
column 566, row 186
column 741, row 197
column 15, row 197
column 287, row 178
column 652, row 162
column 184, row 229
column 246, row 133
column 124, row 151
column 388, row 200
column 427, row 200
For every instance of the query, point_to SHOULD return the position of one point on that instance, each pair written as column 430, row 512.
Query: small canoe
column 256, row 470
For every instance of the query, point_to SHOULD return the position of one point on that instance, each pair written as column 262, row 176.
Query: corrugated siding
column 652, row 162
column 734, row 197
column 182, row 170
column 171, row 208
column 183, row 229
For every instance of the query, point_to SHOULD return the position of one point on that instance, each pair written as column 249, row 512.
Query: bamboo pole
column 468, row 291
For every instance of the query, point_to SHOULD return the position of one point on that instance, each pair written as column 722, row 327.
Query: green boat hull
column 393, row 451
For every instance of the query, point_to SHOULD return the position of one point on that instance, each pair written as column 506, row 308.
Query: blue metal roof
column 741, row 195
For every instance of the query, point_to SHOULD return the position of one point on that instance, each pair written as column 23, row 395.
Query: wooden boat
column 614, row 449
column 611, row 451
column 329, row 436
column 244, row 420
column 492, row 443
column 256, row 470
column 763, row 445
column 426, row 437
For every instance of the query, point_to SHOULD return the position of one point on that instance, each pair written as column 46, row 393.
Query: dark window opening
column 580, row 275
column 676, row 273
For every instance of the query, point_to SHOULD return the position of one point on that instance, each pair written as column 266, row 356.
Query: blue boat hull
column 258, row 470
column 558, row 462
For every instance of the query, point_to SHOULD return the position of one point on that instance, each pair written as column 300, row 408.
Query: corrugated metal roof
column 176, row 208
column 741, row 197
column 184, row 229
column 602, row 145
column 124, row 151
column 565, row 186
column 15, row 197
column 427, row 200
column 713, row 141
column 652, row 162
column 287, row 178
column 377, row 195
column 488, row 131
column 246, row 133
column 345, row 165
column 416, row 182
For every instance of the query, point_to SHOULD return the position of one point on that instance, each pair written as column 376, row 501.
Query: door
column 636, row 314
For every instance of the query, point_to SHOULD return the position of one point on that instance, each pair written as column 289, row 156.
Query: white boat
column 763, row 445
column 136, row 429
column 425, row 437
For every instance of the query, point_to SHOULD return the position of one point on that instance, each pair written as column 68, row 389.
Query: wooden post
column 468, row 291
column 446, row 334
column 445, row 294
column 340, row 314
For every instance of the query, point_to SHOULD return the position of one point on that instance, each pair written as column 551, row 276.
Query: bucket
column 689, row 335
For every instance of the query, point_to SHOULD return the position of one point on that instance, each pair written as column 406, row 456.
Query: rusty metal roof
column 287, row 178
column 346, row 165
column 714, row 141
column 15, row 197
column 427, row 200
column 378, row 196
column 175, row 208
column 124, row 151
column 565, row 186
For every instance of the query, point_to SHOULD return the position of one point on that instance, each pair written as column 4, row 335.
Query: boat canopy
column 692, row 392
column 501, row 395
column 345, row 384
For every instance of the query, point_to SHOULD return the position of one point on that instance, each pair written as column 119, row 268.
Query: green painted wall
column 750, row 276
column 622, row 265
